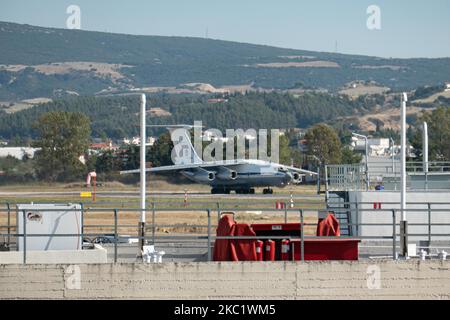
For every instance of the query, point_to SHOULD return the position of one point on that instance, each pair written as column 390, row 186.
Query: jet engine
column 226, row 174
column 200, row 175
column 296, row 177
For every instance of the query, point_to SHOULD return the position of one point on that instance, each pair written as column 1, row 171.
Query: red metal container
column 259, row 250
column 285, row 250
column 269, row 250
column 326, row 249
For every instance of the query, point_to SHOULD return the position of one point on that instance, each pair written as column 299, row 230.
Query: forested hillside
column 31, row 57
column 117, row 117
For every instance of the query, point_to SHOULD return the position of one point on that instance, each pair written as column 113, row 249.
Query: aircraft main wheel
column 268, row 191
column 252, row 191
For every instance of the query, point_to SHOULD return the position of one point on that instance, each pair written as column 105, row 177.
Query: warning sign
column 85, row 194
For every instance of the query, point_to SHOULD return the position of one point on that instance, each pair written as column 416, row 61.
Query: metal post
column 403, row 222
column 429, row 224
column 142, row 174
column 153, row 223
column 326, row 185
column 357, row 219
column 24, row 237
column 82, row 223
column 218, row 212
column 318, row 180
column 394, row 236
column 116, row 238
column 302, row 240
column 9, row 224
column 285, row 213
column 366, row 142
column 393, row 155
column 367, row 164
column 209, row 234
column 393, row 163
column 425, row 153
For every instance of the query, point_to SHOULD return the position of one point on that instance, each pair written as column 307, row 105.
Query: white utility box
column 51, row 219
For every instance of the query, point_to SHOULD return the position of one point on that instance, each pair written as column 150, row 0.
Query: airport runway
column 161, row 194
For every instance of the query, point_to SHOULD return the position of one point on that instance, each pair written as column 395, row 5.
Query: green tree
column 63, row 138
column 438, row 134
column 323, row 142
column 349, row 156
column 108, row 162
column 160, row 153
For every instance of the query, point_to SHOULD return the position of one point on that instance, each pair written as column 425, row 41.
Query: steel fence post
column 24, row 237
column 394, row 236
column 82, row 223
column 9, row 223
column 209, row 234
column 302, row 240
column 116, row 238
column 429, row 224
column 218, row 212
column 153, row 223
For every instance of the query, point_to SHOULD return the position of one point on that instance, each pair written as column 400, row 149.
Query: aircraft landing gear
column 220, row 190
column 245, row 191
column 267, row 191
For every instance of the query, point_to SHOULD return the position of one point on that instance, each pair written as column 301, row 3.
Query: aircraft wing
column 187, row 166
column 301, row 171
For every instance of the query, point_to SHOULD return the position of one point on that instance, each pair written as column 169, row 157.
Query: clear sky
column 408, row 28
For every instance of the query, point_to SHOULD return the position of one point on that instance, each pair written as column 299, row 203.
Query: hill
column 38, row 62
column 118, row 117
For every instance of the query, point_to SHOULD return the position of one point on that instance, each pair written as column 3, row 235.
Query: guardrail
column 114, row 234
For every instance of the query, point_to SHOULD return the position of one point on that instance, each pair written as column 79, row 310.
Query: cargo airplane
column 240, row 175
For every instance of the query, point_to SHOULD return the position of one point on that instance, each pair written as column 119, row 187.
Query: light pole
column 142, row 175
column 425, row 153
column 404, row 221
column 393, row 161
column 318, row 172
column 367, row 156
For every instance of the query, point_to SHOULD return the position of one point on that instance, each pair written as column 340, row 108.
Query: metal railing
column 352, row 177
column 112, row 230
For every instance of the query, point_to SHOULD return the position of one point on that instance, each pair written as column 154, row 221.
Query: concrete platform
column 96, row 255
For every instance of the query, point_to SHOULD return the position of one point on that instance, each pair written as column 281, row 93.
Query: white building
column 377, row 147
column 18, row 152
column 136, row 141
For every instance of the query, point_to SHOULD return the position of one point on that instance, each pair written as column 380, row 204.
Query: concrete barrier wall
column 97, row 255
column 279, row 280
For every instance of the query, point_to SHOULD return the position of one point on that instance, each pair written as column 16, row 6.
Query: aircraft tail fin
column 183, row 152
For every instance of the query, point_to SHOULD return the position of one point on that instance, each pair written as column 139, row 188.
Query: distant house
column 102, row 147
column 447, row 86
column 302, row 145
column 377, row 147
column 18, row 152
column 136, row 141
